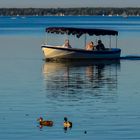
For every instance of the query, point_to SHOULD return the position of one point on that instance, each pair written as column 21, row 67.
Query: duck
column 67, row 124
column 45, row 122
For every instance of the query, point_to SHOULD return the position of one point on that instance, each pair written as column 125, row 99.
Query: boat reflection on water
column 85, row 77
column 78, row 78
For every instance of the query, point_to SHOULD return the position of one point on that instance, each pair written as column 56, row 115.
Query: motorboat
column 58, row 52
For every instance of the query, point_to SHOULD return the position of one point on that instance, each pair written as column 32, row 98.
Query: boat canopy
column 80, row 31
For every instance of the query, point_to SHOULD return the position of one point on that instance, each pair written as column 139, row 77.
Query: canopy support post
column 116, row 41
column 85, row 40
column 67, row 36
column 110, row 42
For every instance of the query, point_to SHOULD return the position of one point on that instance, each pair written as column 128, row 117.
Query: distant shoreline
column 70, row 11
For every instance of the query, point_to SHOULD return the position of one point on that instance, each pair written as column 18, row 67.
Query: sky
column 67, row 3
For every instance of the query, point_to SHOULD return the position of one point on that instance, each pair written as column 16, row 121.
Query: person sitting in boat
column 100, row 45
column 90, row 46
column 67, row 44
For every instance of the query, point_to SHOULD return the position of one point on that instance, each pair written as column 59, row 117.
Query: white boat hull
column 57, row 52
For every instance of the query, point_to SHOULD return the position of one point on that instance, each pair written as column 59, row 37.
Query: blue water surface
column 99, row 97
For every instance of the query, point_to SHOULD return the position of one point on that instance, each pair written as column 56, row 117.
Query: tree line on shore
column 68, row 11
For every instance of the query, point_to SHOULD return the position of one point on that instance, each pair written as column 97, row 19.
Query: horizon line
column 65, row 7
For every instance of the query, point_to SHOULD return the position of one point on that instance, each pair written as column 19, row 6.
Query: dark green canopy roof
column 80, row 31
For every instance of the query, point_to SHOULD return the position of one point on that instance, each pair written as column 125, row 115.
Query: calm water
column 101, row 98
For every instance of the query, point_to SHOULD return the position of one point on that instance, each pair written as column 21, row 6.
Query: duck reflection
column 76, row 77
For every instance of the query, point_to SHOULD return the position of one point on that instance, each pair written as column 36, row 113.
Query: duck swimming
column 67, row 124
column 45, row 122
